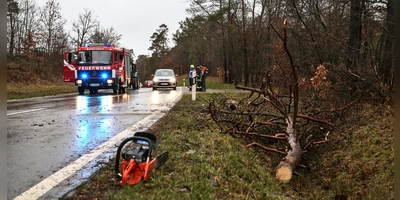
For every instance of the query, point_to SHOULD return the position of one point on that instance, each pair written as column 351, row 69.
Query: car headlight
column 155, row 80
column 172, row 80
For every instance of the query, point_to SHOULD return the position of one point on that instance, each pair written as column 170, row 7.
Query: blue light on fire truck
column 104, row 75
column 97, row 44
column 84, row 76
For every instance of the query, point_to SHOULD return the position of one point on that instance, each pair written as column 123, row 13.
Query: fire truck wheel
column 116, row 88
column 81, row 90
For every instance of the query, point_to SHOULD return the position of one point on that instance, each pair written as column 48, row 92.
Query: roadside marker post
column 194, row 87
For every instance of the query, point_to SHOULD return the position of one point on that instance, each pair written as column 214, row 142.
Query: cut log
column 284, row 170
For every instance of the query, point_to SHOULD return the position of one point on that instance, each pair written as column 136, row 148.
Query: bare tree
column 52, row 35
column 12, row 22
column 105, row 35
column 354, row 39
column 246, row 71
column 28, row 36
column 22, row 27
column 84, row 27
column 386, row 65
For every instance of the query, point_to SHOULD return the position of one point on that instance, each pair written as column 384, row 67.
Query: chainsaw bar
column 161, row 159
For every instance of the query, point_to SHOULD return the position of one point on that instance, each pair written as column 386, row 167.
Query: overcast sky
column 135, row 20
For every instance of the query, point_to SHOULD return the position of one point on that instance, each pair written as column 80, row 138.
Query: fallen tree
column 275, row 112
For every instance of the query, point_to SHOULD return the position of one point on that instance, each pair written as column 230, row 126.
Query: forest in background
column 239, row 41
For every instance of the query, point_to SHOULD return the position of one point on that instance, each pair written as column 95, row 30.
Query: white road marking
column 25, row 111
column 50, row 182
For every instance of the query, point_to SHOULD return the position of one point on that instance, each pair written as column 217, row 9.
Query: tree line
column 37, row 34
column 352, row 39
column 238, row 39
column 31, row 28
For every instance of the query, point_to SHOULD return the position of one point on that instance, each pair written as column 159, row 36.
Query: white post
column 194, row 87
column 183, row 82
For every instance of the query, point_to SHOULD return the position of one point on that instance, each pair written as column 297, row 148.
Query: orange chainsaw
column 134, row 160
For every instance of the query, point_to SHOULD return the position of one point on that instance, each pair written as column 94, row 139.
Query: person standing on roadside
column 135, row 80
column 204, row 72
column 198, row 78
column 134, row 83
column 191, row 78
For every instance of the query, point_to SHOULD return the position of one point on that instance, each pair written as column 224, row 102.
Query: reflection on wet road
column 46, row 134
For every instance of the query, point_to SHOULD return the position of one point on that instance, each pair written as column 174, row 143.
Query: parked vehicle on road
column 164, row 78
column 148, row 83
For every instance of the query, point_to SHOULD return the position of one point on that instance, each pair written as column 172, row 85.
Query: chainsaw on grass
column 134, row 161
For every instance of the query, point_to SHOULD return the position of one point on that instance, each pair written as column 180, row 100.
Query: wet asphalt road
column 50, row 139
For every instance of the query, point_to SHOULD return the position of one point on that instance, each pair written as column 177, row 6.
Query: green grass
column 366, row 157
column 211, row 83
column 22, row 91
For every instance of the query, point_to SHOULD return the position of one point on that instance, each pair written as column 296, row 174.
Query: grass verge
column 22, row 91
column 211, row 83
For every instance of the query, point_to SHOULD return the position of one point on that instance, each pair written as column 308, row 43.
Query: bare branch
column 276, row 136
column 315, row 120
column 266, row 148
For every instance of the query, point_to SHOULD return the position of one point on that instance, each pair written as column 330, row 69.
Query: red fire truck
column 100, row 66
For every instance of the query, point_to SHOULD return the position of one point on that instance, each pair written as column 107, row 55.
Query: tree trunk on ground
column 284, row 170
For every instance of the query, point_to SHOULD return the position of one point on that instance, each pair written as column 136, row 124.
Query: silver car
column 164, row 78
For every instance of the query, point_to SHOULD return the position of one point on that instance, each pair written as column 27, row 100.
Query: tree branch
column 266, row 148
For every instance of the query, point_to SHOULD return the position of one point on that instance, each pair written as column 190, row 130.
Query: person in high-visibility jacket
column 199, row 75
column 204, row 72
column 135, row 82
column 135, row 75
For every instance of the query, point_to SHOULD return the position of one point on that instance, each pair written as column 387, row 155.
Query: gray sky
column 136, row 20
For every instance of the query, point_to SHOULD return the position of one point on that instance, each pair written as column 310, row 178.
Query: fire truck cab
column 100, row 66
